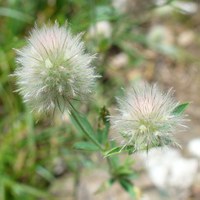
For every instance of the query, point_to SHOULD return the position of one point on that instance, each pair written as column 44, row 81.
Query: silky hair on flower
column 145, row 117
column 54, row 69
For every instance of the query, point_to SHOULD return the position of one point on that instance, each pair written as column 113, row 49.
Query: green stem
column 110, row 164
column 84, row 131
column 109, row 160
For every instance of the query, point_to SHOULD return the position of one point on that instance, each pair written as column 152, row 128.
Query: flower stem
column 83, row 129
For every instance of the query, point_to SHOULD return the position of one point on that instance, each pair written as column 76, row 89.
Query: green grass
column 29, row 146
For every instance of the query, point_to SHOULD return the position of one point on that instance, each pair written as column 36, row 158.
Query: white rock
column 161, row 39
column 160, row 35
column 174, row 6
column 101, row 28
column 182, row 172
column 186, row 7
column 160, row 2
column 168, row 169
column 145, row 197
column 59, row 166
column 157, row 164
column 194, row 147
column 120, row 5
column 120, row 60
column 186, row 38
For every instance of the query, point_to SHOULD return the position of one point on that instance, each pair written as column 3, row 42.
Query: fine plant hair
column 146, row 118
column 54, row 70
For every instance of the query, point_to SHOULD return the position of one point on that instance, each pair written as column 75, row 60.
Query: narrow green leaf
column 128, row 186
column 83, row 125
column 119, row 149
column 113, row 151
column 180, row 109
column 87, row 146
column 8, row 12
column 46, row 174
column 104, row 12
column 83, row 120
column 21, row 188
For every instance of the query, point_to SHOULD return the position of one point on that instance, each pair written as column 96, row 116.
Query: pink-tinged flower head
column 146, row 117
column 54, row 68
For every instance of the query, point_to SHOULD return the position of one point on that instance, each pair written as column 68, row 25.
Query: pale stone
column 120, row 5
column 194, row 147
column 101, row 28
column 119, row 61
column 160, row 35
column 186, row 7
column 186, row 38
column 182, row 172
column 167, row 168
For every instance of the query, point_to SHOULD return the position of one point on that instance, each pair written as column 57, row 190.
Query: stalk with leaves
column 54, row 71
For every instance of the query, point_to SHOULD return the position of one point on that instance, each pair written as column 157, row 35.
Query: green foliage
column 118, row 149
column 103, row 126
column 86, row 146
column 128, row 186
column 28, row 147
column 105, row 12
column 123, row 173
column 7, row 12
column 180, row 109
column 83, row 125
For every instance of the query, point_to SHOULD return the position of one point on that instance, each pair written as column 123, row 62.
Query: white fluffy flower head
column 54, row 69
column 146, row 117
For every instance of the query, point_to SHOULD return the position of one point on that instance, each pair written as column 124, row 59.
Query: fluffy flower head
column 146, row 117
column 54, row 68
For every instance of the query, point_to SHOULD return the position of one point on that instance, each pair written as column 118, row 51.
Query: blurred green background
column 153, row 40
